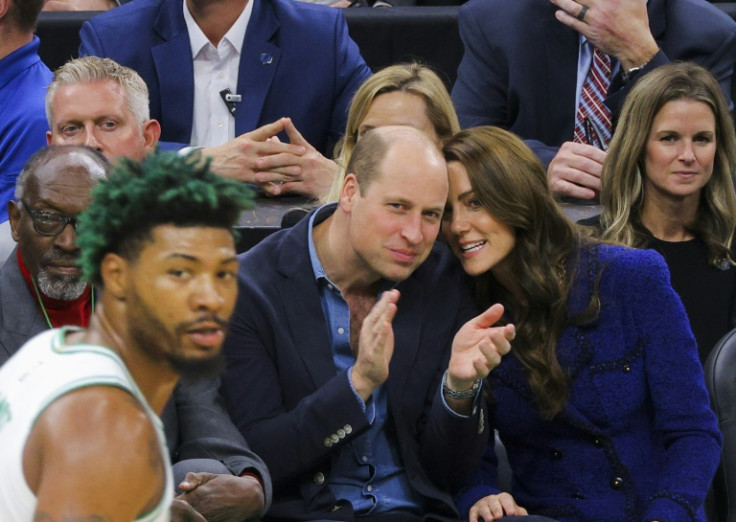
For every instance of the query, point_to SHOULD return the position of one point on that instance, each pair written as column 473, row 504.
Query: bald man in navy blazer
column 297, row 61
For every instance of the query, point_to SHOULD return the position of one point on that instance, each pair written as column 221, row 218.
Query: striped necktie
column 593, row 118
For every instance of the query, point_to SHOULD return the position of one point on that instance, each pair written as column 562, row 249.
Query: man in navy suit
column 363, row 405
column 524, row 65
column 230, row 75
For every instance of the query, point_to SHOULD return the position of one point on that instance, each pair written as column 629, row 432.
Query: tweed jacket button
column 617, row 483
column 319, row 478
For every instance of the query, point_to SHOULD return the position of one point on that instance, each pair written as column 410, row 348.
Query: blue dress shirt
column 23, row 82
column 368, row 471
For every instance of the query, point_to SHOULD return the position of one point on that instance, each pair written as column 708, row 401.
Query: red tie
column 593, row 118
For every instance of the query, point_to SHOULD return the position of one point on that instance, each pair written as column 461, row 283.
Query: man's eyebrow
column 195, row 259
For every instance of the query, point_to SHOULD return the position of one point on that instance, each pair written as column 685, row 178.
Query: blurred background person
column 23, row 82
column 404, row 94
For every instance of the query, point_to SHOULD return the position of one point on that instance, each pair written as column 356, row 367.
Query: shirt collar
column 234, row 36
column 323, row 212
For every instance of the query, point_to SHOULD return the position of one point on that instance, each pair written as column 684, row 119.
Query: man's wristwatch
column 454, row 394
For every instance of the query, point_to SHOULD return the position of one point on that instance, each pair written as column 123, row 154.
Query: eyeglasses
column 48, row 223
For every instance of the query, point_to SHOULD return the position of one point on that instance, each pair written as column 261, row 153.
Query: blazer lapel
column 258, row 65
column 300, row 296
column 407, row 334
column 175, row 73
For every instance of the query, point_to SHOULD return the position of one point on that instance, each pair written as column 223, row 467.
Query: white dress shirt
column 215, row 69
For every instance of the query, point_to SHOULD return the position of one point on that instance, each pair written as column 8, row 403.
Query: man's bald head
column 367, row 158
column 53, row 188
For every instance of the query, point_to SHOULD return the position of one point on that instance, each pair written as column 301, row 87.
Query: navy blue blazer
column 283, row 391
column 298, row 61
column 519, row 70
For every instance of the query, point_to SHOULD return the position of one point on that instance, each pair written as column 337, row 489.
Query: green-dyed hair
column 165, row 189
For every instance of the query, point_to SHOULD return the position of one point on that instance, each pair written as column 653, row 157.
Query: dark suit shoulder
column 708, row 16
column 121, row 16
column 503, row 13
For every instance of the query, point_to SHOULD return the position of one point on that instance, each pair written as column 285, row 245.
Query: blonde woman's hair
column 623, row 193
column 412, row 78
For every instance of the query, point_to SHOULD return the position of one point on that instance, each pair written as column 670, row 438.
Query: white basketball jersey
column 43, row 370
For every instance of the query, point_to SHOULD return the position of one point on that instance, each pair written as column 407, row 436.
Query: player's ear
column 114, row 272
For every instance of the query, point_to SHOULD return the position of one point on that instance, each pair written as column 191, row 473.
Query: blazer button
column 617, row 483
column 627, row 368
column 348, row 429
column 341, row 433
column 328, row 442
column 319, row 478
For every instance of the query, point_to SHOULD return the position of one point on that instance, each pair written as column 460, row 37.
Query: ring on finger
column 581, row 15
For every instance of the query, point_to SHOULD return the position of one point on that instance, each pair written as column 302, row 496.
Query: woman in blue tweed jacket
column 601, row 402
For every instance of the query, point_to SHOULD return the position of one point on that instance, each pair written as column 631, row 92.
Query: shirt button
column 617, row 483
column 341, row 330
column 220, row 124
column 330, row 287
column 319, row 478
column 627, row 368
column 369, row 487
column 556, row 454
column 598, row 443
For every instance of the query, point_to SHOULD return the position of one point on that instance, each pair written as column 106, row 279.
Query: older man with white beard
column 53, row 187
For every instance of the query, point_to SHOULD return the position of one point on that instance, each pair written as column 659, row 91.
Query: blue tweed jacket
column 637, row 439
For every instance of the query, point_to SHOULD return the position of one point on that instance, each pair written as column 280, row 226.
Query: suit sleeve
column 451, row 445
column 681, row 406
column 206, row 431
column 479, row 93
